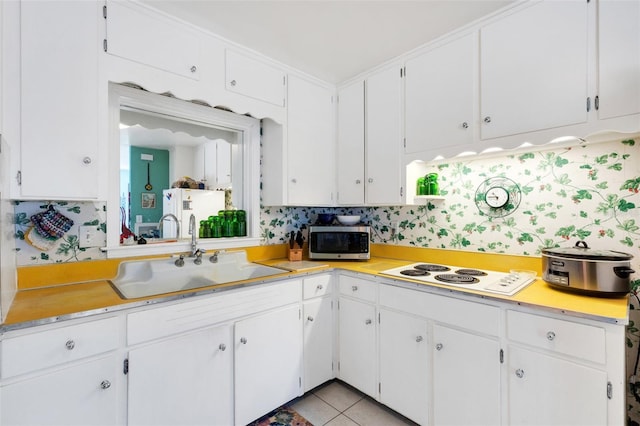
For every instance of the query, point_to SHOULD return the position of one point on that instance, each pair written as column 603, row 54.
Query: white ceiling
column 333, row 40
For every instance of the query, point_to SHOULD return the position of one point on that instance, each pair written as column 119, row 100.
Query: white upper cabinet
column 300, row 162
column 439, row 93
column 152, row 40
column 384, row 171
column 618, row 58
column 254, row 78
column 59, row 100
column 533, row 69
column 351, row 144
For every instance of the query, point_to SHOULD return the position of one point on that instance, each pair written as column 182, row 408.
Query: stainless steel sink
column 151, row 277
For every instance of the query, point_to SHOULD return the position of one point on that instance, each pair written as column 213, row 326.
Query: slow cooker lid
column 582, row 251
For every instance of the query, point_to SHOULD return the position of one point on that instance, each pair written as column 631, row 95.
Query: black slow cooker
column 582, row 269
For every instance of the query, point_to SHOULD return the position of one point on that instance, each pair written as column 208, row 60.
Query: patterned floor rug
column 283, row 416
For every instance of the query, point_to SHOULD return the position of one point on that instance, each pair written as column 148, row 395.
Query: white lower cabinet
column 268, row 362
column 61, row 375
column 466, row 365
column 548, row 390
column 404, row 364
column 557, row 372
column 357, row 343
column 185, row 380
column 318, row 328
column 82, row 394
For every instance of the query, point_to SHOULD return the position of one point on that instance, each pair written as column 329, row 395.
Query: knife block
column 294, row 254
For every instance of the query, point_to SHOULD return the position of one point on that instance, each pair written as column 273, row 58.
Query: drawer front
column 317, row 286
column 358, row 288
column 165, row 321
column 566, row 337
column 42, row 349
column 447, row 310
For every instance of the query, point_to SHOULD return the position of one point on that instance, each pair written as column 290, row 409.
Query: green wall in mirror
column 142, row 201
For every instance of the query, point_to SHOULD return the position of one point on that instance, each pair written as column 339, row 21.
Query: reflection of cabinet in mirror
column 213, row 164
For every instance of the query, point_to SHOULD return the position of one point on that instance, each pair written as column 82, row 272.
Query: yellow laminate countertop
column 48, row 293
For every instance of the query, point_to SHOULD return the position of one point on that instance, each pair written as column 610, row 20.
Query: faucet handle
column 180, row 261
column 198, row 254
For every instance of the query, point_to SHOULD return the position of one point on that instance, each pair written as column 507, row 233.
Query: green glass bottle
column 241, row 215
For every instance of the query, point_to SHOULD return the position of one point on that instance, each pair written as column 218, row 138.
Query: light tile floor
column 338, row 404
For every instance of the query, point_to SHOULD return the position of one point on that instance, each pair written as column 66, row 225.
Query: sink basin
column 143, row 278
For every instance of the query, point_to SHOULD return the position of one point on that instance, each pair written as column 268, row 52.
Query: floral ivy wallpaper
column 559, row 196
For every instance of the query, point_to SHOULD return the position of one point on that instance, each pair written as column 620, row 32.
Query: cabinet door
column 404, row 365
column 185, row 380
column 439, row 95
column 384, row 137
column 250, row 77
column 318, row 342
column 268, row 359
column 619, row 58
column 310, row 143
column 533, row 69
column 82, row 394
column 545, row 390
column 59, row 125
column 350, row 148
column 155, row 40
column 357, row 345
column 467, row 366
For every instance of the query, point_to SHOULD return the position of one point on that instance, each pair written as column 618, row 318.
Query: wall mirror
column 155, row 141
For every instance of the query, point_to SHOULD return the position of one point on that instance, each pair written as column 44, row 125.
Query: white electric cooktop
column 471, row 279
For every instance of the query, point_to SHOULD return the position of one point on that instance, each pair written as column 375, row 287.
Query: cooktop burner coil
column 414, row 272
column 456, row 279
column 473, row 272
column 432, row 267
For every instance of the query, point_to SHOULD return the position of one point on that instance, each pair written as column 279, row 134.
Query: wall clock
column 498, row 197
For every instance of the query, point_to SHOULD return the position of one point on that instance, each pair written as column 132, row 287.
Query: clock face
column 496, row 197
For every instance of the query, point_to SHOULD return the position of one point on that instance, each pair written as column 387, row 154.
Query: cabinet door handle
column 439, row 347
column 367, row 322
column 193, row 68
column 487, row 119
column 370, row 180
column 233, row 82
column 294, row 180
column 520, row 373
column 70, row 344
column 551, row 335
column 86, row 160
column 243, row 340
column 222, row 347
column 310, row 318
column 354, row 288
column 358, row 181
column 419, row 339
column 105, row 384
column 465, row 125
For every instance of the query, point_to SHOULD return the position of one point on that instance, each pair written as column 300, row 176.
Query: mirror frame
column 121, row 95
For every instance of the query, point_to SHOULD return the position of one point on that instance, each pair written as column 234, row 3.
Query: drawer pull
column 70, row 344
column 419, row 339
column 439, row 347
column 320, row 287
column 354, row 288
column 520, row 373
column 551, row 335
column 222, row 347
column 243, row 340
column 105, row 384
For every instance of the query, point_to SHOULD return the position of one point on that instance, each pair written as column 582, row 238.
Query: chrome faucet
column 193, row 231
column 170, row 216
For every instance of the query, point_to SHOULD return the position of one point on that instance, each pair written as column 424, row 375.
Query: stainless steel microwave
column 339, row 242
